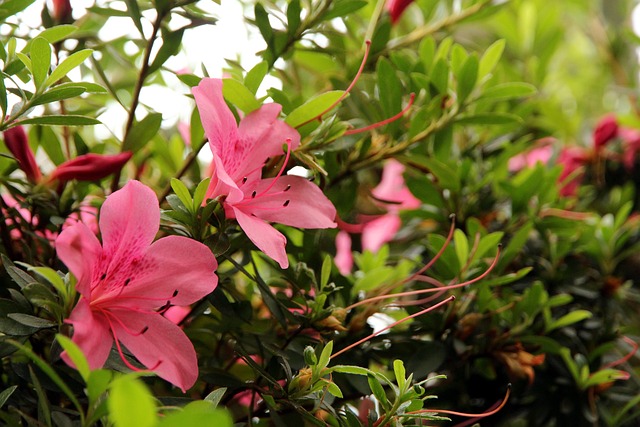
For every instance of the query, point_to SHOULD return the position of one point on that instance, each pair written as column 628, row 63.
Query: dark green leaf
column 6, row 394
column 142, row 132
column 343, row 8
column 467, row 78
column 171, row 41
column 57, row 93
column 32, row 321
column 254, row 76
column 134, row 13
column 293, row 17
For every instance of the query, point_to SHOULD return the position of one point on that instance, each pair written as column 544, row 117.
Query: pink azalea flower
column 125, row 280
column 239, row 154
column 16, row 141
column 631, row 147
column 393, row 194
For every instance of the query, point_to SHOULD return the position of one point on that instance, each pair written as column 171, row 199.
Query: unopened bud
column 61, row 12
column 16, row 141
column 90, row 167
column 310, row 357
column 606, row 130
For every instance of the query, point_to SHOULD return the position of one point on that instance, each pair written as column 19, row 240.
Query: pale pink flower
column 125, row 280
column 239, row 154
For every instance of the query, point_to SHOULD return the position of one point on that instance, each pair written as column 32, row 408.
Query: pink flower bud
column 606, row 130
column 61, row 12
column 16, row 141
column 396, row 7
column 90, row 167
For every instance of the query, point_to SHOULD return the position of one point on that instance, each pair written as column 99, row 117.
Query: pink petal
column 159, row 345
column 172, row 265
column 344, row 257
column 79, row 249
column 380, row 231
column 129, row 221
column 301, row 205
column 218, row 121
column 265, row 237
column 177, row 313
column 91, row 333
column 262, row 136
column 392, row 187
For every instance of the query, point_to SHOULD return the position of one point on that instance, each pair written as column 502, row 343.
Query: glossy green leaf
column 200, row 193
column 182, row 192
column 490, row 58
column 255, row 76
column 58, row 93
column 325, row 356
column 58, row 33
column 467, row 78
column 569, row 319
column 461, row 247
column 313, row 108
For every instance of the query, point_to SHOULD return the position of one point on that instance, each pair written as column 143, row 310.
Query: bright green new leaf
column 199, row 413
column 76, row 355
column 182, row 192
column 467, row 78
column 313, row 108
column 131, row 404
column 461, row 246
column 57, row 33
column 491, row 58
column 67, row 65
column 40, row 54
column 236, row 93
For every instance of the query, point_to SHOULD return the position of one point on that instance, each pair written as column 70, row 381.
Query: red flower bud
column 16, row 141
column 606, row 130
column 90, row 167
column 61, row 12
column 396, row 7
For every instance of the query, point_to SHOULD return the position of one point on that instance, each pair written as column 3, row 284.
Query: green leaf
column 142, row 132
column 400, row 373
column 76, row 355
column 467, row 78
column 353, row 370
column 506, row 91
column 333, row 389
column 6, row 394
column 489, row 119
column 3, row 96
column 390, row 89
column 48, row 370
column 68, row 120
column 40, row 54
column 461, row 246
column 215, row 396
column 200, row 193
column 131, row 404
column 57, row 33
column 325, row 272
column 11, row 7
column 491, row 58
column 32, row 321
column 325, row 356
column 293, row 17
column 446, row 175
column 313, row 108
column 569, row 319
column 237, row 94
column 198, row 413
column 262, row 22
column 605, row 376
column 67, row 65
column 56, row 94
column 98, row 383
column 134, row 13
column 171, row 42
column 52, row 277
column 343, row 8
column 182, row 192
column 254, row 77
column 378, row 391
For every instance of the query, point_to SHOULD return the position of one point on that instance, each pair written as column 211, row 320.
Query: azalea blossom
column 239, row 154
column 126, row 279
column 16, row 141
column 396, row 8
column 605, row 131
column 571, row 159
column 394, row 196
